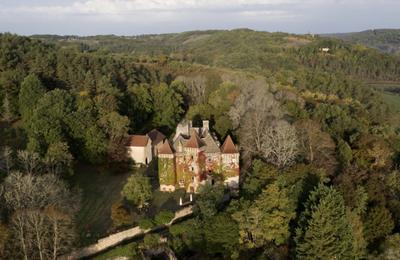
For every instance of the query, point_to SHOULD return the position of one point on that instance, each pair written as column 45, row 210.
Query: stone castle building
column 195, row 157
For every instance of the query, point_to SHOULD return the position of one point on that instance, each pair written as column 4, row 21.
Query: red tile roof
column 138, row 140
column 165, row 148
column 194, row 141
column 156, row 136
column 228, row 146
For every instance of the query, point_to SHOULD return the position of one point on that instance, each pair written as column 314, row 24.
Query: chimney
column 206, row 125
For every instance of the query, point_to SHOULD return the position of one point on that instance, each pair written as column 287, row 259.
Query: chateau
column 195, row 157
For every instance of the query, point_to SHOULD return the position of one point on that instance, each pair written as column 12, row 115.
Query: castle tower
column 166, row 167
column 230, row 163
column 190, row 166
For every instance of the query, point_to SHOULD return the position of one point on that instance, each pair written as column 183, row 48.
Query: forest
column 385, row 40
column 320, row 148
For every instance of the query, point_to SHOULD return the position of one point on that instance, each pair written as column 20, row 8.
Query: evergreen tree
column 31, row 91
column 267, row 219
column 359, row 242
column 324, row 231
column 344, row 153
column 378, row 223
column 167, row 105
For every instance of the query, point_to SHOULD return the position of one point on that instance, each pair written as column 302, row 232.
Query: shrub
column 146, row 223
column 163, row 217
column 120, row 215
column 151, row 241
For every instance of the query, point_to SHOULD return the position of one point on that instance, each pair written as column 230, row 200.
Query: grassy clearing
column 392, row 100
column 120, row 251
column 390, row 93
column 100, row 188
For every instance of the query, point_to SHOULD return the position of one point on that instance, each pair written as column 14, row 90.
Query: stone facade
column 195, row 157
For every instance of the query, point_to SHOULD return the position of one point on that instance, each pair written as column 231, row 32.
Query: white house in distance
column 140, row 149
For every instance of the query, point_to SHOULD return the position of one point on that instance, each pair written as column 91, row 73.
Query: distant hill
column 385, row 40
column 261, row 52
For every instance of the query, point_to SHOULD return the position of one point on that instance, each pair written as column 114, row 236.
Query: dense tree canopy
column 319, row 147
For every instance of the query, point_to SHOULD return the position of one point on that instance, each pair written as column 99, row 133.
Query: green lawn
column 119, row 251
column 390, row 93
column 101, row 187
column 392, row 100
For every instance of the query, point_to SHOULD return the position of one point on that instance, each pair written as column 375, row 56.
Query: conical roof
column 165, row 148
column 228, row 146
column 156, row 136
column 194, row 141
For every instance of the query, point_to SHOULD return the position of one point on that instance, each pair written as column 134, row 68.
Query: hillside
column 260, row 52
column 385, row 40
column 317, row 143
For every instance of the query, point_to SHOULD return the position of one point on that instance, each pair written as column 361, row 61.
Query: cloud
column 151, row 10
column 98, row 7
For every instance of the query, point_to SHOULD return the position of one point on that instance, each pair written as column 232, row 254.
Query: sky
column 133, row 17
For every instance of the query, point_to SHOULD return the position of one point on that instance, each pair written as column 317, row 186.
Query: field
column 390, row 93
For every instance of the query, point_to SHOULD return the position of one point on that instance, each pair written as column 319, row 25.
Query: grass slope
column 100, row 189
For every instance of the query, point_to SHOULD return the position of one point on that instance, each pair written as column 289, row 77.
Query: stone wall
column 116, row 239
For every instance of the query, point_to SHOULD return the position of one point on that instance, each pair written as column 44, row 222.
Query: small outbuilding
column 140, row 149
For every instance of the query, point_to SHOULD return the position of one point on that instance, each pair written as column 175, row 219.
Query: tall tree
column 6, row 159
column 167, row 105
column 42, row 210
column 324, row 231
column 7, row 114
column 345, row 153
column 267, row 219
column 209, row 200
column 29, row 161
column 378, row 223
column 49, row 123
column 138, row 190
column 316, row 146
column 116, row 127
column 30, row 93
column 281, row 145
column 221, row 236
column 58, row 159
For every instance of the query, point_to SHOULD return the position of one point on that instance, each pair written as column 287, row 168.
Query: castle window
column 192, row 169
